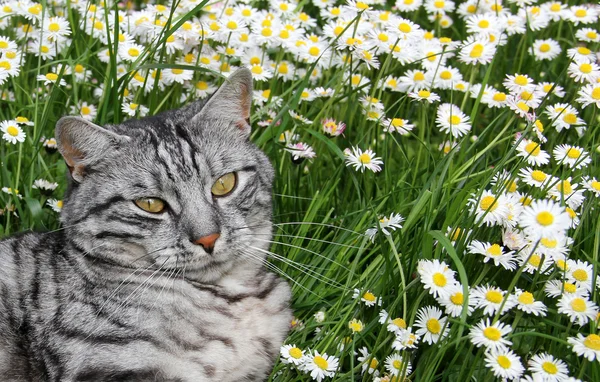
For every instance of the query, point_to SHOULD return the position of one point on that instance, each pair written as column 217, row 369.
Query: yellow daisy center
column 368, row 295
column 570, row 118
column 133, row 106
column 595, row 185
column 571, row 212
column 573, row 153
column 526, row 298
column 59, row 203
column 535, row 260
column 419, row 76
column 549, row 367
column 457, row 298
column 585, row 68
column 397, row 364
column 404, row 28
column 523, row 106
column 578, row 304
column 533, row 148
column 499, row 97
column 51, row 76
column 564, row 187
column 596, row 93
column 548, row 243
column 521, row 80
column 476, row 51
column 133, row 52
column 321, row 362
column 492, row 333
column 12, row 130
column 53, row 27
column 201, row 85
column 494, row 296
column 503, row 361
column 570, row 288
column 591, row 35
column 454, row 120
column 399, row 122
column 544, row 48
column 361, row 5
column 374, row 363
column 424, row 93
column 494, row 250
column 85, row 110
column 580, row 13
column 439, row 279
column 433, row 325
column 399, row 322
column 487, row 203
column 561, row 264
column 314, row 51
column 364, row 158
column 580, row 275
column 592, row 342
column 445, row 75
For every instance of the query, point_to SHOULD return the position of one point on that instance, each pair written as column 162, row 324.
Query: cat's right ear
column 83, row 143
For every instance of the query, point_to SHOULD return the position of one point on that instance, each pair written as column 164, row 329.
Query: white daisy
column 527, row 303
column 291, row 354
column 493, row 252
column 55, row 204
column 544, row 218
column 489, row 209
column 452, row 120
column 369, row 363
column 547, row 368
column 532, row 152
column 504, row 363
column 12, row 132
column 491, row 336
column 396, row 365
column 579, row 309
column 362, row 160
column 573, row 156
column 589, row 346
column 432, row 326
column 589, row 95
column 319, row 366
column 490, row 299
column 453, row 301
column 436, row 276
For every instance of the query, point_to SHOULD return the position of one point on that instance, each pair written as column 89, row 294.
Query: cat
column 157, row 273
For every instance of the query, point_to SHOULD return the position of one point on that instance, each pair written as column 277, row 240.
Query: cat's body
column 122, row 294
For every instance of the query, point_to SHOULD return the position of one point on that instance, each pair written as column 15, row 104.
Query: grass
column 323, row 207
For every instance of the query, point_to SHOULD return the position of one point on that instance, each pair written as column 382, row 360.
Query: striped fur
column 120, row 294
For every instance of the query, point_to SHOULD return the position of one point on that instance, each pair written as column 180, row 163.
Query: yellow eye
column 153, row 205
column 224, row 185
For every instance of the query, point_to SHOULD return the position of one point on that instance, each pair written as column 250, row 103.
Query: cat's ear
column 83, row 144
column 232, row 101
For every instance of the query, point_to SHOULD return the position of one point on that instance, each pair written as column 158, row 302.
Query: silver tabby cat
column 157, row 274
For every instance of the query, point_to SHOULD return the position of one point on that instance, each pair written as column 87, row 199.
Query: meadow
column 437, row 164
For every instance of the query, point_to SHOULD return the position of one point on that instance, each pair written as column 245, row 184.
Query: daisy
column 412, row 80
column 55, row 204
column 580, row 273
column 493, row 252
column 425, row 95
column 584, row 71
column 131, row 109
column 320, row 366
column 51, row 78
column 436, row 276
column 564, row 116
column 574, row 157
column 527, row 303
column 451, row 119
column 399, row 125
column 492, row 336
column 130, row 52
column 579, row 309
column 592, row 184
column 556, row 288
column 535, row 178
column 519, row 83
column 532, row 152
column 299, row 118
column 582, row 14
column 513, row 239
column 453, row 301
column 361, row 160
column 12, row 132
column 300, row 151
column 368, row 298
column 393, row 222
column 587, row 35
column 589, row 346
column 477, row 50
column 547, row 368
column 489, row 209
column 56, row 29
column 405, row 339
column 368, row 362
column 432, row 326
column 566, row 192
column 85, row 110
column 356, row 326
column 545, row 49
column 521, row 107
column 490, row 299
column 504, row 363
column 172, row 75
column 332, row 127
column 589, row 94
column 291, row 354
column 396, row 365
column 44, row 186
column 534, row 262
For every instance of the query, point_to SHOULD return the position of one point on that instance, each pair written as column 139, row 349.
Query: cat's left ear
column 232, row 101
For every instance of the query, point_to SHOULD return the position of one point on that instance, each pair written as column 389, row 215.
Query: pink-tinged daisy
column 363, row 159
column 300, row 151
column 332, row 127
column 491, row 336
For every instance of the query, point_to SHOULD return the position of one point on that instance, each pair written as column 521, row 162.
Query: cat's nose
column 208, row 242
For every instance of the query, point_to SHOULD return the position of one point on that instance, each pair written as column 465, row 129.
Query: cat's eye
column 224, row 185
column 153, row 205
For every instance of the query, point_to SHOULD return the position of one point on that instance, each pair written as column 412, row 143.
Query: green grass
column 323, row 207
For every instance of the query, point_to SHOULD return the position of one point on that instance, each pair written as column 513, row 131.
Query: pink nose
column 208, row 241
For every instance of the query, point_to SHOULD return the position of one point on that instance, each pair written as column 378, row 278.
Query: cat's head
column 184, row 189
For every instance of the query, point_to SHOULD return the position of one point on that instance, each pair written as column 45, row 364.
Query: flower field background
column 436, row 196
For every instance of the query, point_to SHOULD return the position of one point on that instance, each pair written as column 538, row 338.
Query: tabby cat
column 157, row 273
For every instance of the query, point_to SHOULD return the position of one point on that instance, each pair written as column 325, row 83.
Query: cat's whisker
column 304, row 249
column 278, row 270
column 302, row 268
column 319, row 224
column 173, row 274
column 311, row 239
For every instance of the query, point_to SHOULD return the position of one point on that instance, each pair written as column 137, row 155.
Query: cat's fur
column 120, row 294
